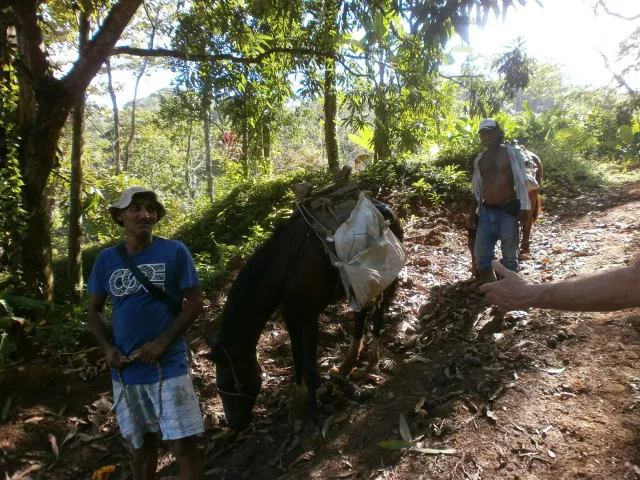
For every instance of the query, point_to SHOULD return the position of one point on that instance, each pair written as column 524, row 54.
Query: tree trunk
column 39, row 158
column 206, row 123
column 381, row 133
column 266, row 139
column 77, row 147
column 116, row 121
column 245, row 144
column 54, row 102
column 330, row 112
column 187, row 163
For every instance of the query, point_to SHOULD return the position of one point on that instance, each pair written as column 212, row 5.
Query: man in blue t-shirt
column 152, row 386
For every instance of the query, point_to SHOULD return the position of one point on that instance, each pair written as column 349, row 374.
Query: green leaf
column 380, row 26
column 395, row 444
column 626, row 135
column 5, row 410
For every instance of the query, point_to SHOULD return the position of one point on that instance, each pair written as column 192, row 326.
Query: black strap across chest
column 157, row 293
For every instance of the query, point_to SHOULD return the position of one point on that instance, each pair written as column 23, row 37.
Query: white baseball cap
column 488, row 124
column 127, row 196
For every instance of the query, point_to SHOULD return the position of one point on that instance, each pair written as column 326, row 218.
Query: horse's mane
column 244, row 293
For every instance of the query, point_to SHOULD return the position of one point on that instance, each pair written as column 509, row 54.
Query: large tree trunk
column 330, row 113
column 381, row 133
column 38, row 161
column 77, row 148
column 54, row 102
column 116, row 121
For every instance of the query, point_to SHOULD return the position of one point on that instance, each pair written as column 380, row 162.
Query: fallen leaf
column 83, row 437
column 304, row 457
column 405, row 431
column 54, row 445
column 34, row 420
column 327, row 425
column 103, row 472
column 436, row 451
column 420, row 404
column 347, row 474
column 395, row 444
column 492, row 415
column 551, row 454
column 554, row 371
column 72, row 433
column 340, row 417
column 5, row 409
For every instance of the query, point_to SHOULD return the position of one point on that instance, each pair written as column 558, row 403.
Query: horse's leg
column 297, row 350
column 526, row 232
column 309, row 323
column 349, row 362
column 378, row 319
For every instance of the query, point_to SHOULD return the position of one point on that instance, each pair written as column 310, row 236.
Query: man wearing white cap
column 147, row 279
column 500, row 200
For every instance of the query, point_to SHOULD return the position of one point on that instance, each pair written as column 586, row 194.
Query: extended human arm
column 616, row 289
column 97, row 320
column 151, row 352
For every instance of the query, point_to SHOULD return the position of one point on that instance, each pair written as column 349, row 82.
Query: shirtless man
column 500, row 200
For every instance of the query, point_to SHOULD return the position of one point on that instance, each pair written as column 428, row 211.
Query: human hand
column 150, row 352
column 115, row 357
column 510, row 293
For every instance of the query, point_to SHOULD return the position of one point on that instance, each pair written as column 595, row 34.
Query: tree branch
column 351, row 71
column 36, row 60
column 603, row 4
column 619, row 78
column 201, row 57
column 100, row 47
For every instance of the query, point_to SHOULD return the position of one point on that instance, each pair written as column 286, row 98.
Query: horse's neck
column 257, row 291
column 243, row 327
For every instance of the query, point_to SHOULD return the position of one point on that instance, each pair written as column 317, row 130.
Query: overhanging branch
column 603, row 4
column 201, row 57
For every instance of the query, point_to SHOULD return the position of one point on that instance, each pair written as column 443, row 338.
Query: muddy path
column 552, row 395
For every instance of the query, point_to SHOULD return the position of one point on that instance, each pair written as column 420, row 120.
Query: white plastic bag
column 370, row 256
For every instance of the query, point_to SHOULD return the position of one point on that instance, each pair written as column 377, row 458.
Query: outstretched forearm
column 613, row 290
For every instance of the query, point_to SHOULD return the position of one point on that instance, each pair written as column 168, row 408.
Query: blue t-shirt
column 138, row 317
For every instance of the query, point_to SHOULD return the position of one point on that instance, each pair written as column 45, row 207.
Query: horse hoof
column 343, row 370
column 494, row 325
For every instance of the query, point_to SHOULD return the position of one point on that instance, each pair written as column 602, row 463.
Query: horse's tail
column 536, row 204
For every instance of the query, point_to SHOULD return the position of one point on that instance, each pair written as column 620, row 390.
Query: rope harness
column 237, row 384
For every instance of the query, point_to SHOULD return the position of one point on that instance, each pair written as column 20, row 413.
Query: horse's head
column 239, row 380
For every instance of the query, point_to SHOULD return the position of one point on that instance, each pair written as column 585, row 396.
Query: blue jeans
column 494, row 225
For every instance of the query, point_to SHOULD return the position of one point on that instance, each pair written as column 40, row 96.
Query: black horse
column 290, row 270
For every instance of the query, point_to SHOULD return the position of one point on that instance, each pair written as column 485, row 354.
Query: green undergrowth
column 221, row 235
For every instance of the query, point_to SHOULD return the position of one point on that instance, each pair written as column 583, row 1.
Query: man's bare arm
column 97, row 320
column 616, row 289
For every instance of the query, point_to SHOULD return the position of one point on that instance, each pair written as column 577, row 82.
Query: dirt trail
column 554, row 395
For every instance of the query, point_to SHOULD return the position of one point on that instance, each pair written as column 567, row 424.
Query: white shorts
column 138, row 413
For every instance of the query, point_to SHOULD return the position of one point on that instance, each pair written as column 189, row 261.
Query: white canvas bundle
column 370, row 256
